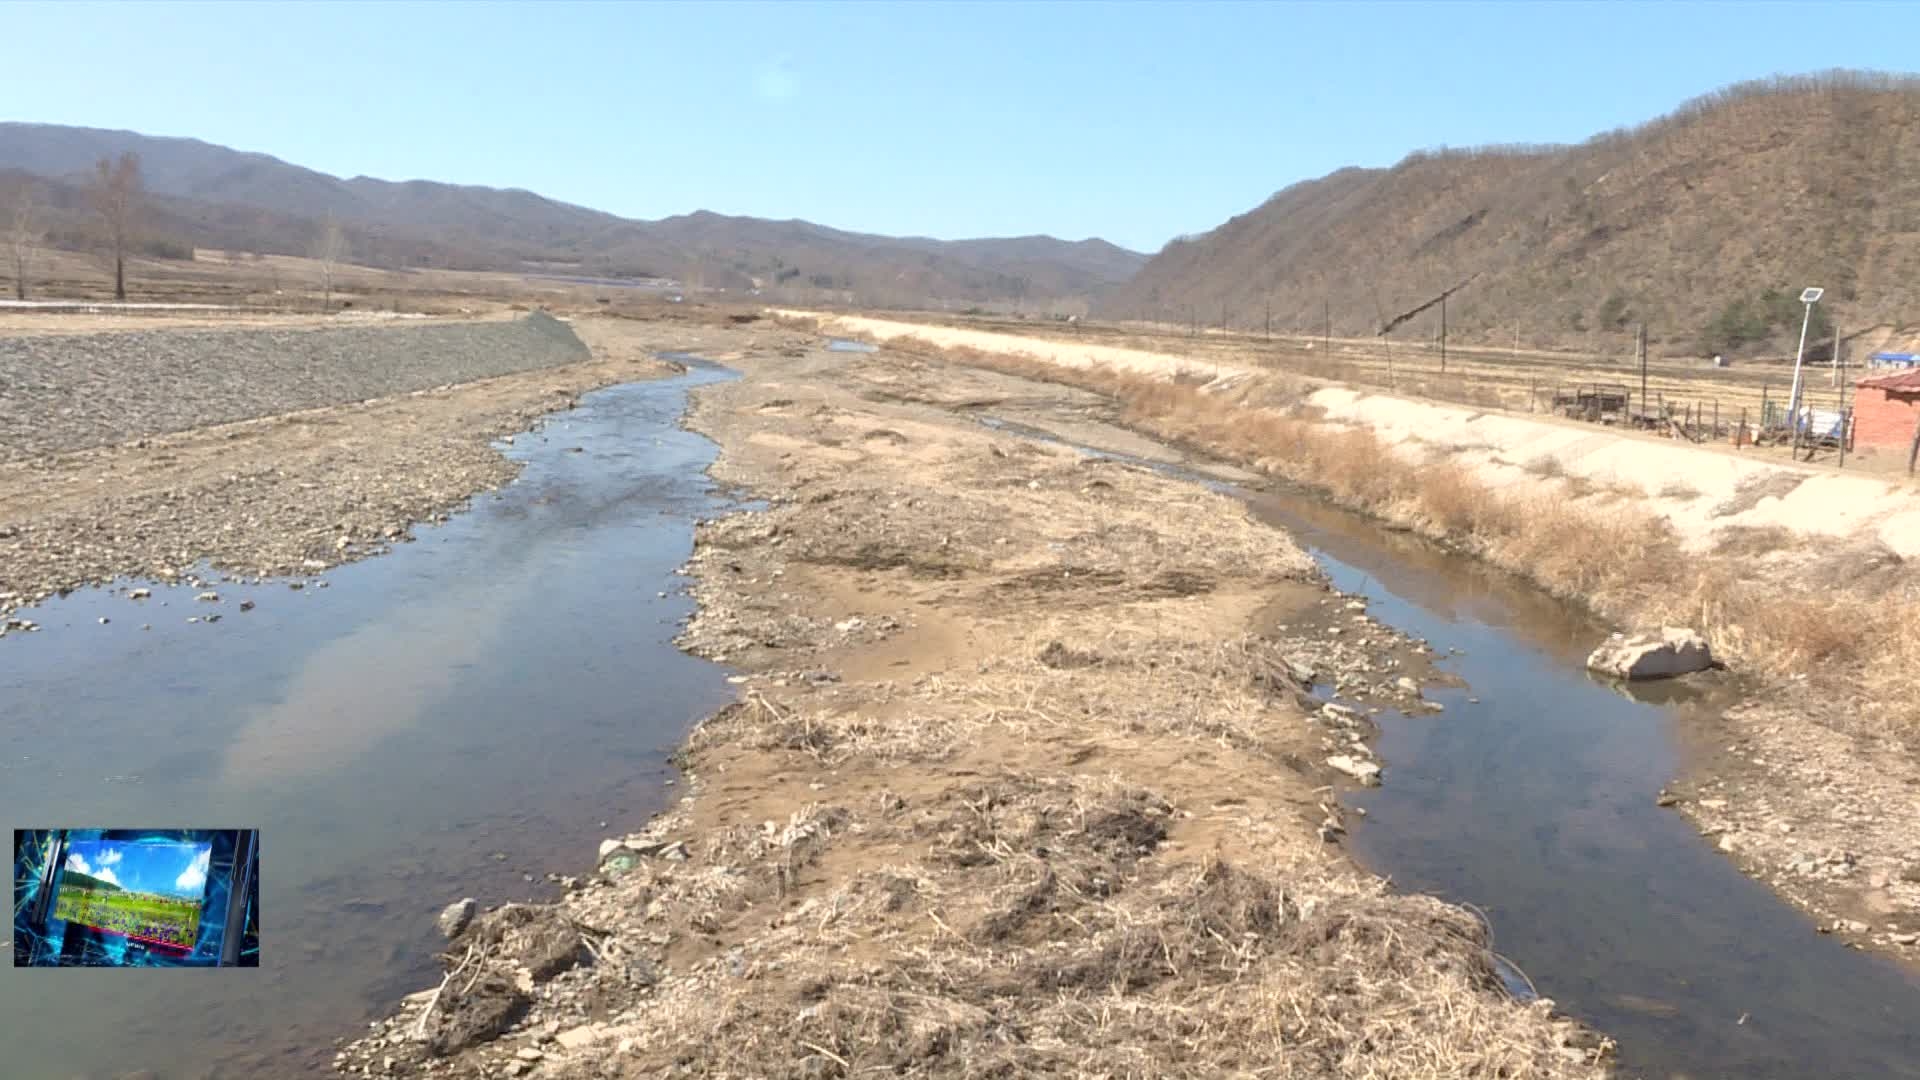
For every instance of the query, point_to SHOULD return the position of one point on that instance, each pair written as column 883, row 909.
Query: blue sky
column 1136, row 122
column 175, row 869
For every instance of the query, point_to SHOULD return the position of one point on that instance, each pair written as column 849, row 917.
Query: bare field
column 286, row 285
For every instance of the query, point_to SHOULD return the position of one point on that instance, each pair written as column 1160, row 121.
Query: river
column 451, row 719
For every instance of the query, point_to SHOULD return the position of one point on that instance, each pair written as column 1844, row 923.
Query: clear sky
column 1135, row 122
column 172, row 869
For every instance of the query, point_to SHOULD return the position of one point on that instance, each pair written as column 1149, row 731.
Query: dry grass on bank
column 1617, row 558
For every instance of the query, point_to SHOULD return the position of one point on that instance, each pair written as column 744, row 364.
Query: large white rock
column 1364, row 771
column 1673, row 651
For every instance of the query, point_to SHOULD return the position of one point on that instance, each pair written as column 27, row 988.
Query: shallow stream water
column 450, row 719
column 1533, row 797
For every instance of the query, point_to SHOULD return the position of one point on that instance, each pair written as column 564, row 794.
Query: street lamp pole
column 1808, row 297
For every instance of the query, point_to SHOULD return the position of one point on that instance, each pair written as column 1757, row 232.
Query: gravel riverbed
column 73, row 392
column 295, row 492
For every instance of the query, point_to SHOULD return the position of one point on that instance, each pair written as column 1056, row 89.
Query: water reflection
column 449, row 719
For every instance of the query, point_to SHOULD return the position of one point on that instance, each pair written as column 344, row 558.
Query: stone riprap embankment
column 71, row 392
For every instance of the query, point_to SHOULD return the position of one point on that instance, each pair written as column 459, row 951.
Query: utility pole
column 1640, row 353
column 1838, row 367
column 1326, row 324
column 1443, row 334
column 1809, row 297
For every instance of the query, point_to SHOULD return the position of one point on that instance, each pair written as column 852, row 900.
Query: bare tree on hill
column 329, row 250
column 116, row 195
column 23, row 241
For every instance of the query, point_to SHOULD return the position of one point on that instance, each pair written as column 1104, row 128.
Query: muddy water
column 1536, row 804
column 450, row 719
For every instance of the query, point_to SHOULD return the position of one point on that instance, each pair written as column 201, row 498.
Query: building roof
column 1904, row 382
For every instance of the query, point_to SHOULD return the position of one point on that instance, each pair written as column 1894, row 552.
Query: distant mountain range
column 202, row 195
column 1706, row 224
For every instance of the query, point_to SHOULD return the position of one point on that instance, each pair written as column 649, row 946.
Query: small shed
column 1885, row 409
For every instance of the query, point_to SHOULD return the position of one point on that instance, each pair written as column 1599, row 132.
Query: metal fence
column 1810, row 430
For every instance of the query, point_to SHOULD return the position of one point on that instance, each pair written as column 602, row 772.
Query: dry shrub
column 1800, row 631
column 1452, row 499
column 1357, row 466
column 1590, row 555
column 1897, row 628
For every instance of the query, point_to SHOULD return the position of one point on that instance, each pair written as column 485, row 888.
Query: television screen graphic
column 150, row 892
column 136, row 898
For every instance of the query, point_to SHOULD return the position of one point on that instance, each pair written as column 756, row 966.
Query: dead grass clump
column 1199, row 970
column 1868, row 566
column 1679, row 489
column 832, row 737
column 1749, row 491
column 1747, row 541
column 1057, row 656
column 1058, row 579
column 1041, row 816
column 876, row 555
column 1546, row 465
column 1224, row 693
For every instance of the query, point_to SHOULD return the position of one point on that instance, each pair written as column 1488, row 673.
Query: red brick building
column 1885, row 410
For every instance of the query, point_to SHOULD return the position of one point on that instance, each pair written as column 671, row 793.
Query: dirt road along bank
column 1021, row 782
column 298, row 492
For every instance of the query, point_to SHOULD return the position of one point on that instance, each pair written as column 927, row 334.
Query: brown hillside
column 1686, row 222
column 202, row 195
